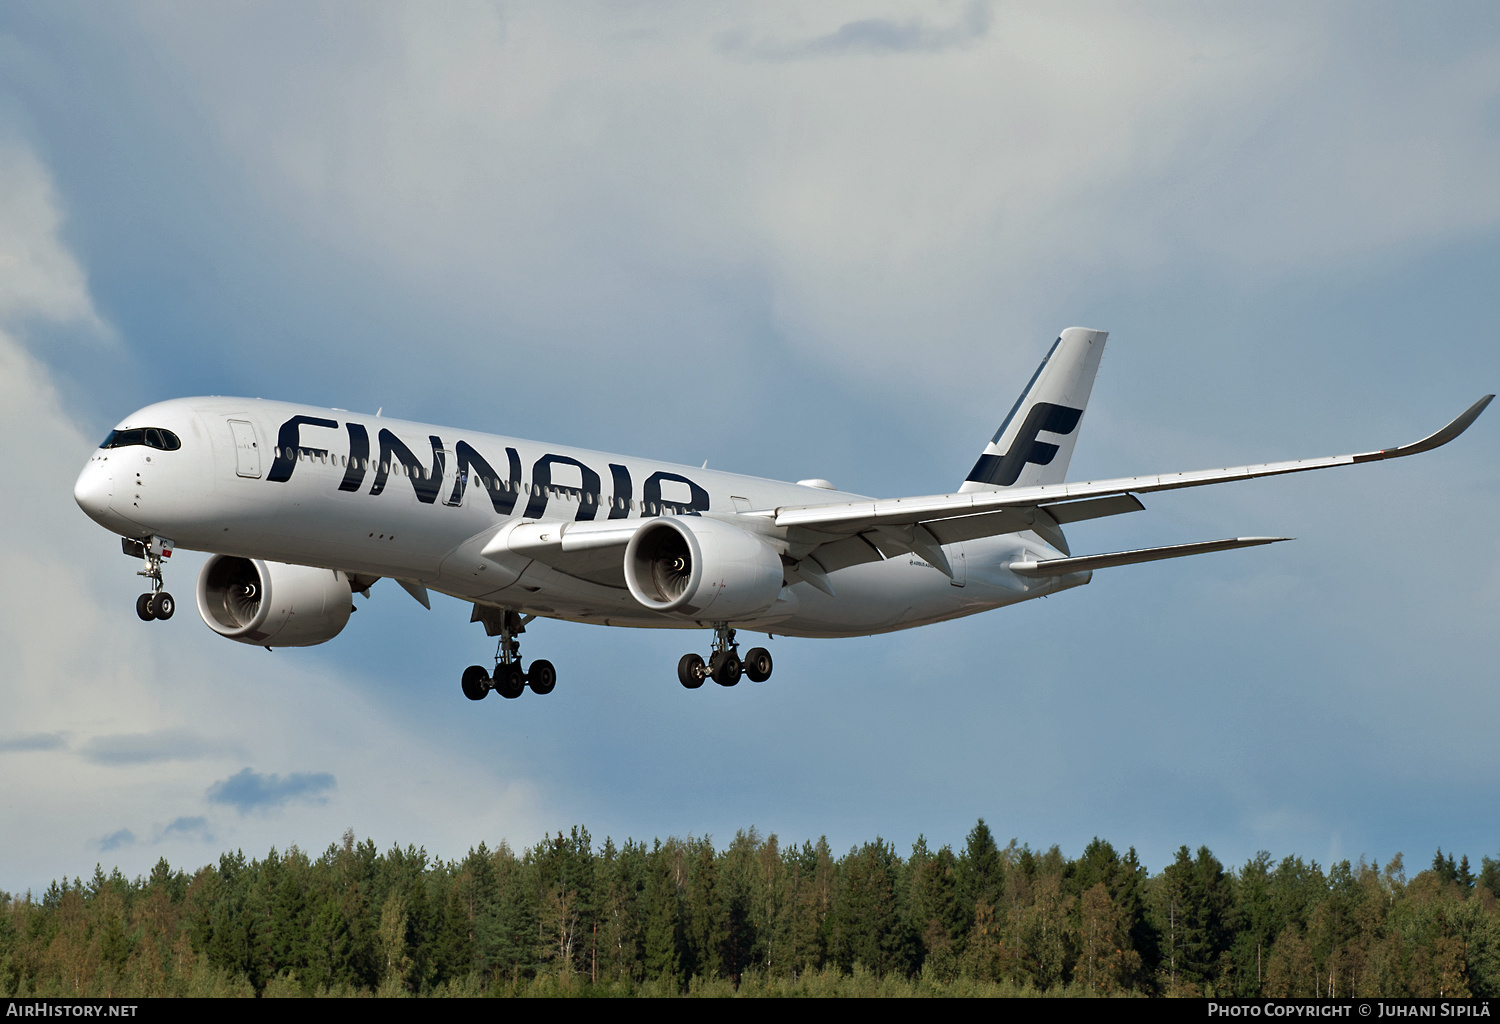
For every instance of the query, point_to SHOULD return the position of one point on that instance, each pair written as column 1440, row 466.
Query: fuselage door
column 246, row 452
column 450, row 485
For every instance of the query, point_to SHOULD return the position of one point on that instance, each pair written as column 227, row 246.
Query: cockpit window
column 151, row 437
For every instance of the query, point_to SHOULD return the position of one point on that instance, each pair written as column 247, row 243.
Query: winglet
column 1431, row 441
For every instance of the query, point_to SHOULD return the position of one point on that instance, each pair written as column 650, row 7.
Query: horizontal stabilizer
column 1086, row 563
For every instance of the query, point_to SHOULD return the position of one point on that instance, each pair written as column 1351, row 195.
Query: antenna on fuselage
column 379, row 411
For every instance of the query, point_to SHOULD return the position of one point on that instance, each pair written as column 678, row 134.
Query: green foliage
column 681, row 917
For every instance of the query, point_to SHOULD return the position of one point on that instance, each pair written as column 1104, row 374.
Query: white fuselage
column 330, row 491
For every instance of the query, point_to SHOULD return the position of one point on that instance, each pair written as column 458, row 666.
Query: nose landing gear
column 158, row 604
column 509, row 679
column 724, row 665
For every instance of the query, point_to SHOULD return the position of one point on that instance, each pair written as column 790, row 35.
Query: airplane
column 300, row 508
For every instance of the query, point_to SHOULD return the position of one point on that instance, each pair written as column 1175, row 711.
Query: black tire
column 476, row 683
column 691, row 671
column 162, row 606
column 726, row 668
column 143, row 608
column 510, row 681
column 758, row 664
column 542, row 677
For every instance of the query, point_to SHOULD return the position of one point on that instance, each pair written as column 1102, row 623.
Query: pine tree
column 395, row 963
column 1489, row 875
column 868, row 925
column 705, row 912
column 621, row 887
column 1106, row 963
column 981, row 871
column 812, row 887
column 564, row 871
column 663, row 939
column 739, row 878
column 1443, row 867
column 934, row 909
column 506, row 932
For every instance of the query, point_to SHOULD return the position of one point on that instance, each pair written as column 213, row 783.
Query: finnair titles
column 302, row 508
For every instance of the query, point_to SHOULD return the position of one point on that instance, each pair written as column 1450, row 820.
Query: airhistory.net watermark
column 52, row 1008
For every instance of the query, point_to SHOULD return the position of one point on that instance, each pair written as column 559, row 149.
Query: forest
column 684, row 917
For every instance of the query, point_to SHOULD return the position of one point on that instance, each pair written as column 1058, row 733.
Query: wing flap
column 841, row 554
column 1093, row 508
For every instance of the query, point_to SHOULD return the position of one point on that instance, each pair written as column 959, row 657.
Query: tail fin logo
column 1004, row 470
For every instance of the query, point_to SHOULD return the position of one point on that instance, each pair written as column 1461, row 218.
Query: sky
column 796, row 241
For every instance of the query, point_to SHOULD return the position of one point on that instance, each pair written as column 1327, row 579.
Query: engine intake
column 702, row 569
column 272, row 603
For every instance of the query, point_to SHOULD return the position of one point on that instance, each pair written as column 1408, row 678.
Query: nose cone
column 93, row 491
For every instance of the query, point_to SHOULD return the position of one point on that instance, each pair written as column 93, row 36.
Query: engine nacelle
column 702, row 569
column 272, row 603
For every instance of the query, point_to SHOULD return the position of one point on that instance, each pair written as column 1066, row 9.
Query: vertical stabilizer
column 1036, row 440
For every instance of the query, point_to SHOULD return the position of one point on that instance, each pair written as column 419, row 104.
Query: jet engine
column 702, row 569
column 272, row 603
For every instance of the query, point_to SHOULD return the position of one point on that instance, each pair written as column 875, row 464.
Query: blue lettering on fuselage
column 425, row 482
column 359, row 457
column 541, row 482
column 503, row 493
column 471, row 467
column 288, row 441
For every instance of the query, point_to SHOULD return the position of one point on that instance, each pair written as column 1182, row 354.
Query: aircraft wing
column 987, row 513
column 849, row 533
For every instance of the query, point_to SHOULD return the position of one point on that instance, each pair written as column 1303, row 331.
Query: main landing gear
column 724, row 665
column 508, row 679
column 158, row 604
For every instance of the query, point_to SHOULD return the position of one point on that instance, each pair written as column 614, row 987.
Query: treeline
column 680, row 916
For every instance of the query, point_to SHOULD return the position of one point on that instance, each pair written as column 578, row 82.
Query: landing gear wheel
column 476, row 683
column 758, row 664
column 542, row 677
column 691, row 671
column 143, row 608
column 725, row 668
column 510, row 681
column 162, row 606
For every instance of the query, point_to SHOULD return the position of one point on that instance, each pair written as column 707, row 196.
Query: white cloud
column 114, row 726
column 38, row 275
column 896, row 198
column 146, row 747
column 922, row 172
